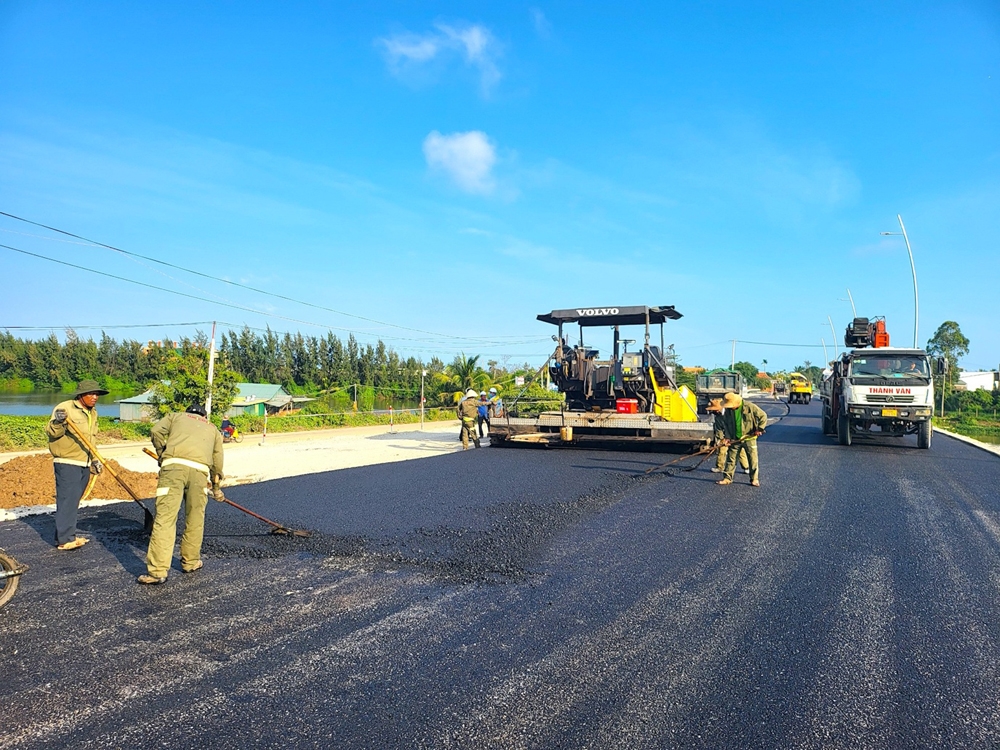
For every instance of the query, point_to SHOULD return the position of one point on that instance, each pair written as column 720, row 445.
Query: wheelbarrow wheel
column 8, row 584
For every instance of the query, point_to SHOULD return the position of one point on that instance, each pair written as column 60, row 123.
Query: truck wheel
column 924, row 432
column 827, row 423
column 844, row 429
column 809, row 398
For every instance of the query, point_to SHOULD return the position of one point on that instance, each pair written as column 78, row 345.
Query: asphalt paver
column 511, row 598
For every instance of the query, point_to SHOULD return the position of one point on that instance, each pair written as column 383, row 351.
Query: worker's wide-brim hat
column 732, row 401
column 471, row 394
column 89, row 386
column 714, row 404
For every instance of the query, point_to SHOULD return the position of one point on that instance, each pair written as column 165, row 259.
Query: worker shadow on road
column 120, row 533
column 788, row 434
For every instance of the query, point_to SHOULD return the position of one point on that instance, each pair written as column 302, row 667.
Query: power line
column 108, row 328
column 232, row 283
column 766, row 343
column 483, row 343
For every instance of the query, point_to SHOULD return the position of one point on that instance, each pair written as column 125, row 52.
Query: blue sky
column 442, row 173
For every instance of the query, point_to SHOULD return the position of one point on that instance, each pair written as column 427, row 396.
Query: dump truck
column 875, row 389
column 625, row 397
column 800, row 389
column 716, row 384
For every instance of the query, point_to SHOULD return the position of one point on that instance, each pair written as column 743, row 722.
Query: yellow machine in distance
column 800, row 389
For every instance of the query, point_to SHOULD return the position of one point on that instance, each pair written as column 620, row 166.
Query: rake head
column 282, row 531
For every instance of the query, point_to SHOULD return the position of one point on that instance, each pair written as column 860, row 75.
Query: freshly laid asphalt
column 535, row 598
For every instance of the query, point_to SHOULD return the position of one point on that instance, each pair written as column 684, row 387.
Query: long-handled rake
column 278, row 528
column 148, row 520
column 704, row 457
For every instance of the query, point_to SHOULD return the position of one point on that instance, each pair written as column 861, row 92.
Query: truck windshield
column 890, row 367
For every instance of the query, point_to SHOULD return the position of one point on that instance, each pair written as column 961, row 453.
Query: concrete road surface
column 508, row 598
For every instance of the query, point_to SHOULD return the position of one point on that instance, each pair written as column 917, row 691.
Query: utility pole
column 732, row 362
column 211, row 373
column 423, row 374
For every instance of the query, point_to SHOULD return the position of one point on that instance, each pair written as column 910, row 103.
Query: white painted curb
column 994, row 449
column 12, row 514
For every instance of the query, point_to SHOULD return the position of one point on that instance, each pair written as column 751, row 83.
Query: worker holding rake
column 189, row 449
column 715, row 407
column 73, row 459
column 743, row 423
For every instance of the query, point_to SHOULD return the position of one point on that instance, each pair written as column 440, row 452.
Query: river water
column 43, row 402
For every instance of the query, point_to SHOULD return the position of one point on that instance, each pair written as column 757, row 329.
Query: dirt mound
column 29, row 480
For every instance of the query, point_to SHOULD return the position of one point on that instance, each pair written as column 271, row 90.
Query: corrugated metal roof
column 255, row 393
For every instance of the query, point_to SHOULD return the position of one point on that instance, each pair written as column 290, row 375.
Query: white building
column 976, row 381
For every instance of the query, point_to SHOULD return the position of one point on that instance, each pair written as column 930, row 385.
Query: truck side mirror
column 941, row 365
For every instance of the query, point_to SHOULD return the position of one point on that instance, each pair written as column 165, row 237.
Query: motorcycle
column 231, row 435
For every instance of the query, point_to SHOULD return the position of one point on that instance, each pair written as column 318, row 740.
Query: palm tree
column 466, row 373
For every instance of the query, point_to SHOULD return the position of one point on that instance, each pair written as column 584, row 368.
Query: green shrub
column 28, row 433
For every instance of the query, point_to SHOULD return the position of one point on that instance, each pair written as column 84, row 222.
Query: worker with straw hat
column 742, row 423
column 71, row 458
column 715, row 407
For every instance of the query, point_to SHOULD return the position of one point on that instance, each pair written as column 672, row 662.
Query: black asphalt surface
column 538, row 598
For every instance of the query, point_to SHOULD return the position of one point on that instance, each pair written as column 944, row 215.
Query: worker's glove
column 217, row 493
column 96, row 467
column 59, row 416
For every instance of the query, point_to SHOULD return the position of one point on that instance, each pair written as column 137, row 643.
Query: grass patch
column 304, row 422
column 28, row 433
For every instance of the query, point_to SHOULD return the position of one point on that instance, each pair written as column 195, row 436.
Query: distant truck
column 800, row 389
column 716, row 384
column 877, row 389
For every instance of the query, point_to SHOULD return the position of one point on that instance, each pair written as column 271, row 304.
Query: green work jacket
column 754, row 420
column 63, row 445
column 189, row 440
column 469, row 408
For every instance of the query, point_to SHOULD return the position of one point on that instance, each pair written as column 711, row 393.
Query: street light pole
column 836, row 351
column 913, row 269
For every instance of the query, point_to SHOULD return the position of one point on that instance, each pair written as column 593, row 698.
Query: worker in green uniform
column 743, row 423
column 468, row 410
column 715, row 407
column 72, row 460
column 190, row 452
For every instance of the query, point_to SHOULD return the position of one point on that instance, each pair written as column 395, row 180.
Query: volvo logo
column 597, row 311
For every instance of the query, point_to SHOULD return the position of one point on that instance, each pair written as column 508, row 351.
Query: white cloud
column 409, row 48
column 467, row 158
column 542, row 26
column 408, row 54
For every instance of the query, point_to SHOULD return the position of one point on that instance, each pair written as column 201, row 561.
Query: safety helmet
column 493, row 390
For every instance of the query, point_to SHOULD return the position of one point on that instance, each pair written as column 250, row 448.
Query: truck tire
column 827, row 423
column 844, row 429
column 808, row 398
column 924, row 432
